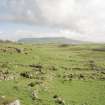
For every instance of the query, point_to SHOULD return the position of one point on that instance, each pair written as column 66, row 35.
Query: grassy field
column 53, row 74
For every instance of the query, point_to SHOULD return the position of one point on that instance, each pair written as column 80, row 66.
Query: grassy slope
column 71, row 59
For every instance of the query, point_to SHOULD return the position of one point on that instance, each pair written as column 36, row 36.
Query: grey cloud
column 83, row 16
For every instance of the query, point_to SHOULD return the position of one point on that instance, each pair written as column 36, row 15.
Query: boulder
column 16, row 102
column 8, row 101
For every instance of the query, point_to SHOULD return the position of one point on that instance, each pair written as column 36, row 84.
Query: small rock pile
column 5, row 75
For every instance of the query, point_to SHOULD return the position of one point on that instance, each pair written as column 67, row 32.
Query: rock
column 59, row 100
column 8, row 101
column 26, row 53
column 53, row 68
column 6, row 75
column 27, row 75
column 68, row 77
column 36, row 66
column 81, row 77
column 2, row 96
column 19, row 50
column 34, row 95
column 16, row 102
column 32, row 84
column 55, row 96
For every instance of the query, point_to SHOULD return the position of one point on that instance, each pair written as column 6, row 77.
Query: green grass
column 66, row 72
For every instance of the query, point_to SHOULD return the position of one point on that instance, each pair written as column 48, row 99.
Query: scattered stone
column 68, row 77
column 64, row 45
column 32, row 84
column 99, row 49
column 103, row 72
column 55, row 96
column 53, row 68
column 11, row 50
column 59, row 100
column 34, row 95
column 19, row 50
column 26, row 53
column 81, row 77
column 36, row 66
column 6, row 75
column 27, row 75
column 8, row 101
column 16, row 102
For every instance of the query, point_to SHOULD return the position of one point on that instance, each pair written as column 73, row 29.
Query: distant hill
column 50, row 40
column 6, row 41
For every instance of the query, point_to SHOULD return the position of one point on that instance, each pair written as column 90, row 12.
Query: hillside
column 52, row 74
column 50, row 40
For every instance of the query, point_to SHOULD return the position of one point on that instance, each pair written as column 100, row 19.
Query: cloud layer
column 81, row 16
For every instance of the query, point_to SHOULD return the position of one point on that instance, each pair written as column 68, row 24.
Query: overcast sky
column 76, row 19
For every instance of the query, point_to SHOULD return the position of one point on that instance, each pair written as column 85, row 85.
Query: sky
column 75, row 19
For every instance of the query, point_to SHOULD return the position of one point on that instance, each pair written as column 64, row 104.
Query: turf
column 75, row 73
